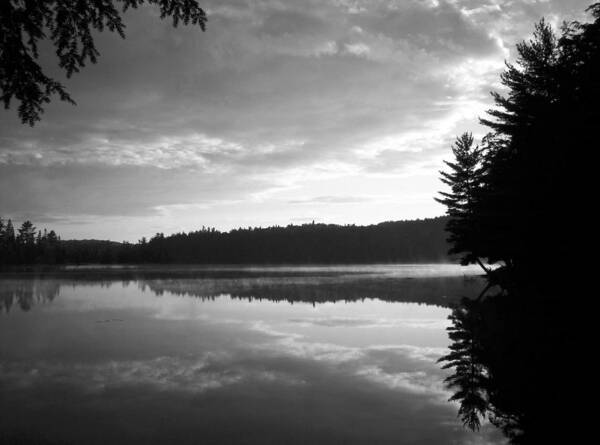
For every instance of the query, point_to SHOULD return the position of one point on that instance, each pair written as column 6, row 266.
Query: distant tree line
column 400, row 241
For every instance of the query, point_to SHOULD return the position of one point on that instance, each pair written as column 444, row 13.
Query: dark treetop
column 69, row 25
column 515, row 198
column 516, row 201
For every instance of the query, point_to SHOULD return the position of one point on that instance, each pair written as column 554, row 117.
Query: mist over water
column 250, row 355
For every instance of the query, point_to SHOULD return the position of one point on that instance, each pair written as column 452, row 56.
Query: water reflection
column 219, row 359
column 506, row 356
column 26, row 293
column 303, row 284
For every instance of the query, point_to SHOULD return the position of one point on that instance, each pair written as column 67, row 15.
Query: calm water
column 230, row 355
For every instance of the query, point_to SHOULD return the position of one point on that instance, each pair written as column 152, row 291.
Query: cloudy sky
column 283, row 111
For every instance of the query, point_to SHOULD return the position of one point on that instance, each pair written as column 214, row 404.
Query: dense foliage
column 28, row 245
column 400, row 241
column 516, row 201
column 513, row 199
column 69, row 25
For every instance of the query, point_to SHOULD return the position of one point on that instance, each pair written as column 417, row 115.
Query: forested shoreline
column 416, row 241
column 514, row 197
column 515, row 200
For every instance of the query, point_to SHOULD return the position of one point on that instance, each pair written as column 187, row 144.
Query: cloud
column 402, row 367
column 276, row 95
column 332, row 200
column 162, row 372
column 439, row 27
column 211, row 371
column 417, row 382
column 335, row 322
column 283, row 21
column 104, row 190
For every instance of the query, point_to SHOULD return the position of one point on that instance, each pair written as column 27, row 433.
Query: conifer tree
column 523, row 209
column 464, row 179
column 26, row 233
column 9, row 232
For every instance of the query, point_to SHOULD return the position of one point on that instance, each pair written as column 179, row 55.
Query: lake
column 231, row 355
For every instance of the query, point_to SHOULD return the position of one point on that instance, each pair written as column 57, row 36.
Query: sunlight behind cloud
column 277, row 96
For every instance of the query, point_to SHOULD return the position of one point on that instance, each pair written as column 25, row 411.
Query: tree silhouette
column 9, row 232
column 505, row 346
column 469, row 378
column 26, row 234
column 523, row 209
column 511, row 365
column 464, row 179
column 416, row 241
column 69, row 26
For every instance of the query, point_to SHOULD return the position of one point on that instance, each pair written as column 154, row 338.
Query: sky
column 282, row 112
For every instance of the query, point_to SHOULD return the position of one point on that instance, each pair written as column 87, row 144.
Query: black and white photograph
column 286, row 222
